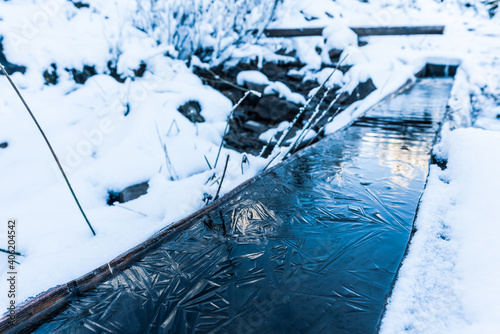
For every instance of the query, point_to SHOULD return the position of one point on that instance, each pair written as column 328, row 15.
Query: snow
column 110, row 135
column 271, row 133
column 339, row 36
column 283, row 91
column 99, row 147
column 254, row 77
column 271, row 88
column 335, row 77
column 448, row 282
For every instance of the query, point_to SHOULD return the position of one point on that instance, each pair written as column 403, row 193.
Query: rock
column 335, row 55
column 192, row 111
column 81, row 77
column 234, row 95
column 255, row 86
column 273, row 71
column 257, row 114
column 81, row 5
column 4, row 145
column 128, row 194
column 113, row 72
column 254, row 126
column 441, row 163
column 51, row 77
column 362, row 42
column 139, row 73
column 242, row 140
column 274, row 110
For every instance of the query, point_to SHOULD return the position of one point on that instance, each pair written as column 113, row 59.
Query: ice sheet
column 313, row 246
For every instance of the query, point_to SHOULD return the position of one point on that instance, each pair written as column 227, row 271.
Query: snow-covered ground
column 110, row 135
column 449, row 281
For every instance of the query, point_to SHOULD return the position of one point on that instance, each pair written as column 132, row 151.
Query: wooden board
column 360, row 31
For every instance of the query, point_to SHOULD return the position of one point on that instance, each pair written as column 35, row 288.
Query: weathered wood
column 360, row 31
column 299, row 32
column 384, row 31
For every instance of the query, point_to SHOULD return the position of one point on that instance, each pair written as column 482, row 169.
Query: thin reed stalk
column 309, row 126
column 229, row 118
column 168, row 162
column 50, row 147
column 222, row 179
column 303, row 108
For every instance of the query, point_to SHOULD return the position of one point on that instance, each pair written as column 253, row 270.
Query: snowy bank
column 448, row 282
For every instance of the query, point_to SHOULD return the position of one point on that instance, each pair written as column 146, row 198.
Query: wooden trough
column 30, row 314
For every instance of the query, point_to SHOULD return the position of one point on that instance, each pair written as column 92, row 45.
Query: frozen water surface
column 311, row 247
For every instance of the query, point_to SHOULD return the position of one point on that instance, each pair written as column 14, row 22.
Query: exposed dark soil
column 257, row 115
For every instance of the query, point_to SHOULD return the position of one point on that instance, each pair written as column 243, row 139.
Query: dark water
column 313, row 247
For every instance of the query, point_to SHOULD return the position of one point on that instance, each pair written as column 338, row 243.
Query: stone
column 256, row 87
column 359, row 93
column 274, row 110
column 81, row 77
column 128, row 194
column 192, row 111
column 335, row 55
column 51, row 77
column 139, row 73
column 254, row 126
column 81, row 5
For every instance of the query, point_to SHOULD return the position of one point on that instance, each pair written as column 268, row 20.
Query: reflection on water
column 405, row 129
column 311, row 247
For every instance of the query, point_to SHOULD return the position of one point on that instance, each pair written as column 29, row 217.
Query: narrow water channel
column 312, row 247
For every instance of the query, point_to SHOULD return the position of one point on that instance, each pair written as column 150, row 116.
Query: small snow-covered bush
column 204, row 27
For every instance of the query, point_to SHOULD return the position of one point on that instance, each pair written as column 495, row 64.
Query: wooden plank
column 360, row 31
column 386, row 31
column 298, row 32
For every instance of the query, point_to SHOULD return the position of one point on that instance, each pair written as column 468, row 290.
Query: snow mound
column 339, row 36
column 254, row 77
column 283, row 91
